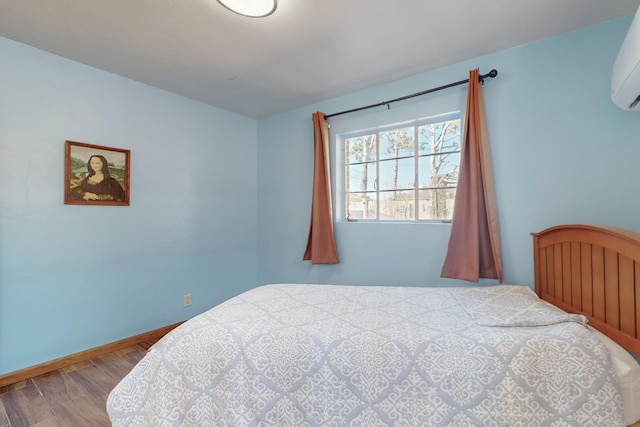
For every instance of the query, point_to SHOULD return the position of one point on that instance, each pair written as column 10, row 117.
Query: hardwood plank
column 4, row 420
column 56, row 387
column 147, row 344
column 75, row 367
column 137, row 352
column 49, row 422
column 117, row 364
column 94, row 382
column 81, row 412
column 25, row 407
column 15, row 386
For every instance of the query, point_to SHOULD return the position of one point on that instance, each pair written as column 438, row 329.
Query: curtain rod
column 493, row 73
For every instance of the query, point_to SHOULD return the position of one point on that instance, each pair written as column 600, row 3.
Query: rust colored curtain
column 474, row 244
column 321, row 247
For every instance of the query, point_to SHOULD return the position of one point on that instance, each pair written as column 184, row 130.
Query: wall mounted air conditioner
column 625, row 80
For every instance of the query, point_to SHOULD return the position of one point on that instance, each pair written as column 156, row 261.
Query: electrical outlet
column 186, row 300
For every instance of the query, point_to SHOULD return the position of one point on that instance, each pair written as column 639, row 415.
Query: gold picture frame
column 86, row 182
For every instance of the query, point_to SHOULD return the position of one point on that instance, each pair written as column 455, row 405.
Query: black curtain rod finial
column 491, row 74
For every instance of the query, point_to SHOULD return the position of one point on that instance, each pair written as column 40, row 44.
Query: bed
column 336, row 355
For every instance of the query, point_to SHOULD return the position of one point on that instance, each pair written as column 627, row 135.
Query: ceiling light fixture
column 250, row 8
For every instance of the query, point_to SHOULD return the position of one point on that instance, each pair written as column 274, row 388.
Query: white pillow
column 627, row 370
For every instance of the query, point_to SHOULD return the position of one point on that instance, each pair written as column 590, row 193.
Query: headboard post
column 536, row 264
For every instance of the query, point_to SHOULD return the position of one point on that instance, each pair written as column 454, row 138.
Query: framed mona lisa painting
column 96, row 175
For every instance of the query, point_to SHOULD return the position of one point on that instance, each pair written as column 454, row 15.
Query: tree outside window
column 404, row 173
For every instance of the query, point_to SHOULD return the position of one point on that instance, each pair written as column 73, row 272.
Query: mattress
column 335, row 355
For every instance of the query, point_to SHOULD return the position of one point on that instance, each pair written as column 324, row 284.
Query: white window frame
column 342, row 165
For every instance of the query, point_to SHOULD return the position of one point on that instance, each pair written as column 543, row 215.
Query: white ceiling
column 307, row 51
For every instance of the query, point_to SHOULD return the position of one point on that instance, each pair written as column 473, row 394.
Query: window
column 405, row 172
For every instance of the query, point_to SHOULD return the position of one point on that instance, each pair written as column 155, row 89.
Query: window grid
column 388, row 199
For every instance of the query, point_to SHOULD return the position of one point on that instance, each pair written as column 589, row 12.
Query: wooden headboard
column 595, row 271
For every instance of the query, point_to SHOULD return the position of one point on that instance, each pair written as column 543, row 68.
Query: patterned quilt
column 327, row 355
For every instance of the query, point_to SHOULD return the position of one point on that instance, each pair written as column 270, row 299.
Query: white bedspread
column 324, row 355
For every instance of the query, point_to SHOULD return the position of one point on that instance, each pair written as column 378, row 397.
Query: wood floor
column 71, row 397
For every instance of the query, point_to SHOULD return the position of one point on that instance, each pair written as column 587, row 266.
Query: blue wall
column 220, row 202
column 562, row 153
column 75, row 277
